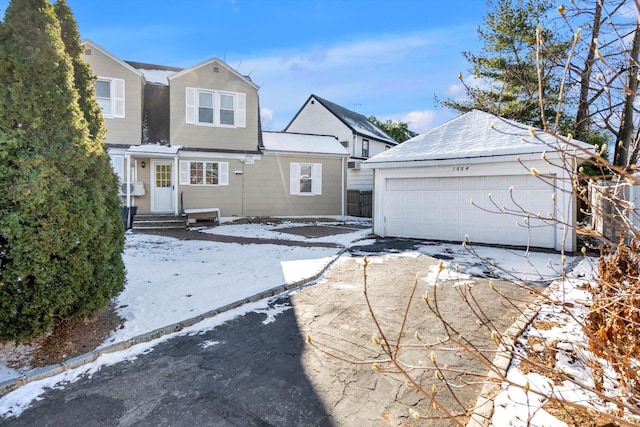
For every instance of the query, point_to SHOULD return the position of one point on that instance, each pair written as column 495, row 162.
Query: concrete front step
column 157, row 222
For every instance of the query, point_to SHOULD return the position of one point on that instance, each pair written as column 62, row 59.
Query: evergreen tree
column 396, row 130
column 84, row 77
column 61, row 238
column 506, row 69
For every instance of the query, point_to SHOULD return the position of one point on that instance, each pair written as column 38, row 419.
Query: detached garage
column 479, row 176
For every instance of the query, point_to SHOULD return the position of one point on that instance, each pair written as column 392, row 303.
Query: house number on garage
column 460, row 168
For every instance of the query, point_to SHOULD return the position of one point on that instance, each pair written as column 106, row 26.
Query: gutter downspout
column 175, row 185
column 343, row 194
column 128, row 157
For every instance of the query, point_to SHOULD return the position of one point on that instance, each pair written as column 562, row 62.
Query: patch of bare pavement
column 304, row 231
column 335, row 315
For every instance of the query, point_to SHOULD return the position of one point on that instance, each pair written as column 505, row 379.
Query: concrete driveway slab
column 334, row 313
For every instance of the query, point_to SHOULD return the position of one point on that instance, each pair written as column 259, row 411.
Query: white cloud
column 455, row 91
column 420, row 121
column 266, row 117
column 384, row 74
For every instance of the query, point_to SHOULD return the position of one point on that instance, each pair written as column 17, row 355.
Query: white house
column 482, row 178
column 360, row 136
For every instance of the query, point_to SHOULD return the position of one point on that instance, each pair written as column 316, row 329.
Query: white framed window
column 305, row 179
column 365, row 148
column 110, row 97
column 212, row 108
column 204, row 173
column 227, row 109
column 117, row 163
column 205, row 107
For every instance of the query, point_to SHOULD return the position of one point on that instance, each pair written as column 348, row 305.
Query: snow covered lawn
column 171, row 280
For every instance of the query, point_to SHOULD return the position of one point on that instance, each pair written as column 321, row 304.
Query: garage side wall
column 434, row 202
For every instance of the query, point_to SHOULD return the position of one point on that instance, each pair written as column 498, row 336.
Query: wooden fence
column 359, row 203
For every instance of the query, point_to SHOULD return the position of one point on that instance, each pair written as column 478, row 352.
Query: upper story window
column 227, row 110
column 205, row 107
column 110, row 97
column 365, row 148
column 213, row 108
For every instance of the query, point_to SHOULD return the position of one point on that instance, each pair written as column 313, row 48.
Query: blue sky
column 386, row 58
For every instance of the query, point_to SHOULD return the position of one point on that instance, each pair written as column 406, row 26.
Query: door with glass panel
column 162, row 183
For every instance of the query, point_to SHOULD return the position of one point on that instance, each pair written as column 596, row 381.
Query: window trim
column 365, row 142
column 185, row 173
column 116, row 98
column 295, row 179
column 117, row 164
column 200, row 107
column 220, row 109
column 192, row 109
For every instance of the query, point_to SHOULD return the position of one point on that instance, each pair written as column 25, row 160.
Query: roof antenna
column 354, row 106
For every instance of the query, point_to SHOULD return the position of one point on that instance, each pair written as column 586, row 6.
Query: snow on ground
column 565, row 308
column 172, row 280
column 511, row 264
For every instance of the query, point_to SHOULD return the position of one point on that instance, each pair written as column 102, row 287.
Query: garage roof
column 472, row 135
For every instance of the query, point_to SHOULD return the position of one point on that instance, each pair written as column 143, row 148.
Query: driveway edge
column 483, row 410
column 83, row 359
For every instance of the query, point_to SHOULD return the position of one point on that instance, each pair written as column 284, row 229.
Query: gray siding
column 228, row 198
column 144, row 175
column 221, row 138
column 127, row 130
column 267, row 188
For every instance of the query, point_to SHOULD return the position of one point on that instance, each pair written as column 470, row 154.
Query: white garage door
column 440, row 209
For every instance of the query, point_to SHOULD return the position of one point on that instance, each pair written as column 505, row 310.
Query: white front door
column 162, row 187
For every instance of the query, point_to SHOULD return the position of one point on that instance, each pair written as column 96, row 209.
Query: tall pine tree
column 61, row 237
column 506, row 69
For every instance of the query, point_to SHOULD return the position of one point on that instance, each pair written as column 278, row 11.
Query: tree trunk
column 626, row 134
column 582, row 115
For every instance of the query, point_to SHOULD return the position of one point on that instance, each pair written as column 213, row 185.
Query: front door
column 162, row 183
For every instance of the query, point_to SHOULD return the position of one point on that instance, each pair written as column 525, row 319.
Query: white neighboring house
column 423, row 188
column 357, row 134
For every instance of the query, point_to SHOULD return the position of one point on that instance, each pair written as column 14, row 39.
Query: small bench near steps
column 209, row 215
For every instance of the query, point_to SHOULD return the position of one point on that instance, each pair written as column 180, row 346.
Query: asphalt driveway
column 254, row 373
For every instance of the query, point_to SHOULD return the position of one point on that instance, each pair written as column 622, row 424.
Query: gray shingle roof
column 358, row 123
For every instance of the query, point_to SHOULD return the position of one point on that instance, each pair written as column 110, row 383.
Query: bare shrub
column 614, row 318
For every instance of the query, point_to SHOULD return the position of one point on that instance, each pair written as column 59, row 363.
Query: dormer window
column 212, row 108
column 227, row 111
column 205, row 107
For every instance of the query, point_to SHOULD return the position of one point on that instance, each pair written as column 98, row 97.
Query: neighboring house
column 362, row 138
column 190, row 140
column 424, row 187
